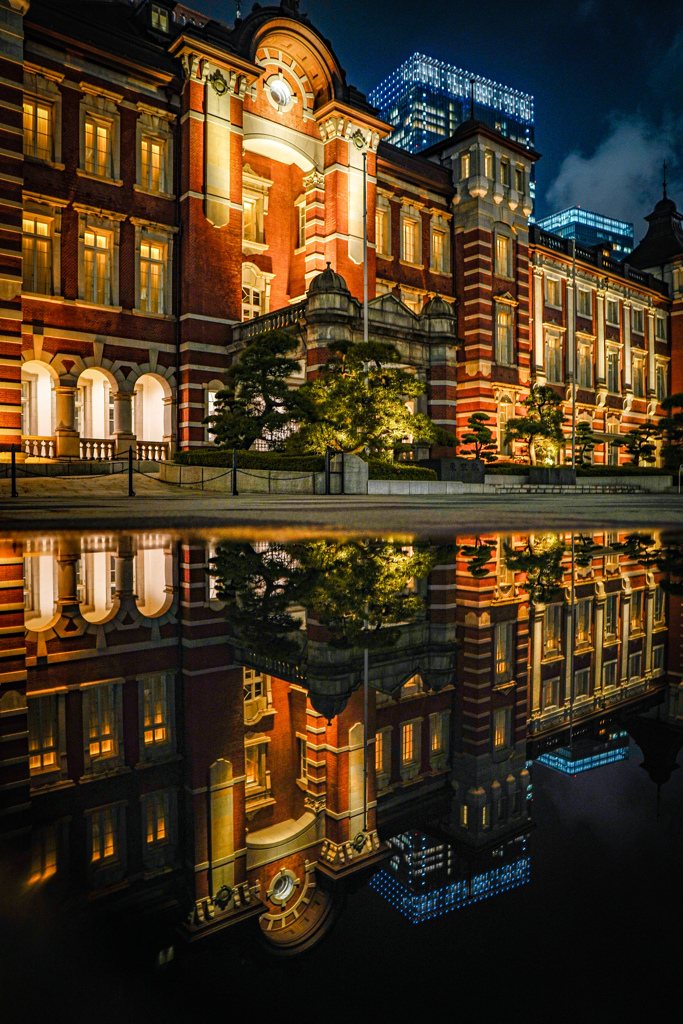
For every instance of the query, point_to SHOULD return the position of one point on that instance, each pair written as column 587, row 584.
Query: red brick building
column 166, row 178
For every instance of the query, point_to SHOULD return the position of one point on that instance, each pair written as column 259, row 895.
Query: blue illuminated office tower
column 426, row 100
column 589, row 228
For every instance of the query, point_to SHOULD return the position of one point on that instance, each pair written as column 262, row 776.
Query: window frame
column 550, row 280
column 579, row 305
column 557, row 611
column 100, row 106
column 162, row 747
column 439, row 263
column 612, row 303
column 639, row 312
column 155, row 124
column 41, row 85
column 612, row 370
column 583, row 630
column 638, row 378
column 554, row 356
column 503, row 268
column 508, row 356
column 501, row 729
column 148, row 234
column 504, row 634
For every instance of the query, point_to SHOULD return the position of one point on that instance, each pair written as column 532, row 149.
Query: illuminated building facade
column 174, row 185
column 589, row 228
column 425, row 100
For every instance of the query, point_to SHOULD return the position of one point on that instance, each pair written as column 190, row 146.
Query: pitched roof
column 664, row 238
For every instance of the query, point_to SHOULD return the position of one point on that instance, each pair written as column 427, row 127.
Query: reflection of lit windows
column 609, row 675
column 156, row 710
column 485, row 816
column 502, row 728
column 253, row 684
column 658, row 655
column 582, row 681
column 611, row 617
column 551, row 693
column 637, row 611
column 553, row 629
column 407, row 743
column 102, row 731
column 379, row 751
column 659, row 612
column 412, row 687
column 42, row 733
column 157, row 817
column 506, row 411
column 105, row 841
column 638, row 377
column 635, row 662
column 503, row 637
column 463, row 815
column 43, row 854
column 583, row 613
column 383, row 757
column 438, row 739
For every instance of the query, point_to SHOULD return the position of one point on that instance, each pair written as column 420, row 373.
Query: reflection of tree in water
column 346, row 584
column 541, row 560
column 478, row 557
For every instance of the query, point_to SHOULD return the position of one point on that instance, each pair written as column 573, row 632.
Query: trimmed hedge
column 622, row 471
column 220, row 458
column 379, row 470
column 506, row 468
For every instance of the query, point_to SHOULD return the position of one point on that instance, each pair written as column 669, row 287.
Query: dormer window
column 159, row 18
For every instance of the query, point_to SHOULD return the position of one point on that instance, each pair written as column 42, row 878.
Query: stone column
column 170, row 423
column 68, row 557
column 123, row 422
column 536, row 655
column 67, row 438
column 650, row 343
column 600, row 331
column 599, row 636
column 538, row 325
column 625, row 633
column 124, row 568
column 627, row 384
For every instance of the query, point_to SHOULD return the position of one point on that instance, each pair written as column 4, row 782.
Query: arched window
column 255, row 292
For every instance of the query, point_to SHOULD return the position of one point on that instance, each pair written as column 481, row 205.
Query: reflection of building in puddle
column 587, row 753
column 428, row 877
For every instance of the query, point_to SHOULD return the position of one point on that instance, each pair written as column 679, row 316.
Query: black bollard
column 131, row 492
column 234, row 473
column 327, row 471
column 15, row 492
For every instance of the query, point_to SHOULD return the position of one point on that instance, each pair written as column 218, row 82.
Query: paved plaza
column 103, row 503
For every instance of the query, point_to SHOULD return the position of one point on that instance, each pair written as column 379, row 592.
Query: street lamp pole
column 574, row 354
column 365, row 245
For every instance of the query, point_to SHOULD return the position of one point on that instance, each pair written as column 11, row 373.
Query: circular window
column 283, row 888
column 280, row 92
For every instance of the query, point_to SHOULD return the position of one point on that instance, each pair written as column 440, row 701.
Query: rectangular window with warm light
column 381, row 230
column 585, row 303
column 252, row 302
column 551, row 693
column 379, row 751
column 659, row 610
column 301, row 225
column 660, row 328
column 43, row 854
column 156, row 711
column 152, row 159
column 554, row 367
column 159, row 18
column 42, row 734
column 582, row 682
column 439, row 251
column 488, row 165
column 553, row 292
column 612, row 311
column 152, row 277
column 504, row 336
column 585, row 366
column 102, row 724
column 638, row 377
column 661, row 389
column 465, row 165
column 97, row 247
column 635, row 665
column 519, row 179
column 98, row 147
column 255, row 768
column 638, row 320
column 609, row 675
column 505, row 173
column 410, row 247
column 37, row 254
column 613, row 371
column 38, row 129
column 503, row 256
column 612, row 617
column 637, row 611
column 303, row 760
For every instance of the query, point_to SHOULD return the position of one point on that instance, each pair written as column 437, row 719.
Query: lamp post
column 574, row 354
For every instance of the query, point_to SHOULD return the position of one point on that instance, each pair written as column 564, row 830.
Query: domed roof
column 329, row 705
column 328, row 281
column 664, row 238
column 438, row 307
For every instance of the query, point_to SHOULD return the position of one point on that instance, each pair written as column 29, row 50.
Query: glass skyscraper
column 589, row 228
column 426, row 100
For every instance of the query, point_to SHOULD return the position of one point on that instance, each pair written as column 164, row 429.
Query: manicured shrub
column 220, row 458
column 380, row 470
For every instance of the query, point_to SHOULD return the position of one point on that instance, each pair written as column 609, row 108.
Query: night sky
column 606, row 76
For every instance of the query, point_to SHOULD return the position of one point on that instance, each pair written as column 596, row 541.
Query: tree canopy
column 542, row 425
column 480, row 438
column 257, row 403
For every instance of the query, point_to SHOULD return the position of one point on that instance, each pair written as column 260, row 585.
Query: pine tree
column 480, row 437
column 671, row 426
column 585, row 443
column 543, row 421
column 640, row 442
column 257, row 403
